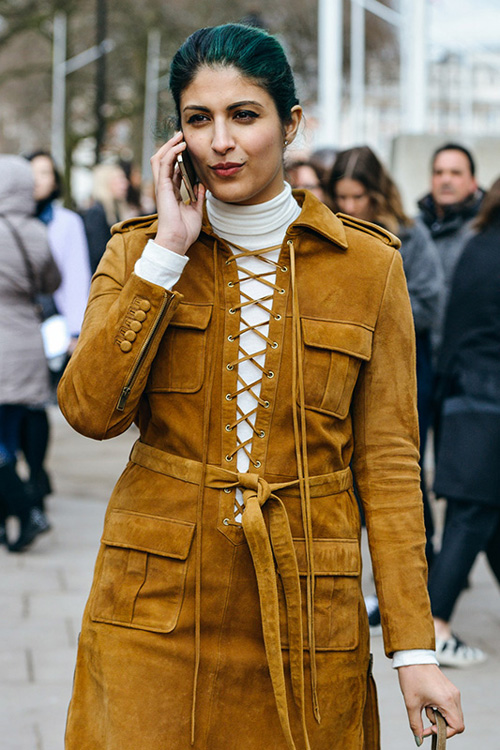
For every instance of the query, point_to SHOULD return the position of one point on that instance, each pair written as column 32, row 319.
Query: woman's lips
column 226, row 169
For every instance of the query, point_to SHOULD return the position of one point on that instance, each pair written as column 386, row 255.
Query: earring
column 285, row 143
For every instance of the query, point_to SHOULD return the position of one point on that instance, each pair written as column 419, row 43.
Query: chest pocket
column 142, row 578
column 333, row 353
column 180, row 362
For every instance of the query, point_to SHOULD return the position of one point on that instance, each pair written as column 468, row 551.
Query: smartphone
column 188, row 174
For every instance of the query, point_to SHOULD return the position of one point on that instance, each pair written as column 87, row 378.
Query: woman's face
column 235, row 136
column 305, row 177
column 352, row 198
column 43, row 173
column 118, row 184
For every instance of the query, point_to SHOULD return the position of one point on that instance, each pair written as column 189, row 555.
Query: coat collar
column 314, row 217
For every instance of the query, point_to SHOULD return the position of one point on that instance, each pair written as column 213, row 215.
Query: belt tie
column 262, row 545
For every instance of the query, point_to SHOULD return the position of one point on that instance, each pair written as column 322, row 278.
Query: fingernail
column 418, row 741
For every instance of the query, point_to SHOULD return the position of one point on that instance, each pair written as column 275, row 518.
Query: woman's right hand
column 179, row 223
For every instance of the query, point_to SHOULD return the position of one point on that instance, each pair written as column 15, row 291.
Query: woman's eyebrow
column 201, row 108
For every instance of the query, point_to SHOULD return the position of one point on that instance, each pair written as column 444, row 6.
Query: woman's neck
column 254, row 223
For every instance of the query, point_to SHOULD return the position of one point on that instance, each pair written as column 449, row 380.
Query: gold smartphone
column 188, row 174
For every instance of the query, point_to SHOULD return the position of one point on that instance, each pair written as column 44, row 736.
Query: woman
column 26, row 267
column 109, row 207
column 194, row 329
column 302, row 174
column 467, row 472
column 361, row 186
column 68, row 245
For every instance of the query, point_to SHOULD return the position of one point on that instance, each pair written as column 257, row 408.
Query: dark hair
column 489, row 213
column 456, row 147
column 58, row 189
column 362, row 165
column 254, row 52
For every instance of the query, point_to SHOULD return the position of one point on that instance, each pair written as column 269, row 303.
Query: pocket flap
column 349, row 338
column 188, row 315
column 167, row 537
column 332, row 557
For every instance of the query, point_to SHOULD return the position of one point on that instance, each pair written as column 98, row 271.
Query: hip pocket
column 337, row 564
column 141, row 581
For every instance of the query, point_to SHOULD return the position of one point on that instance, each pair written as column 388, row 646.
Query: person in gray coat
column 361, row 186
column 26, row 266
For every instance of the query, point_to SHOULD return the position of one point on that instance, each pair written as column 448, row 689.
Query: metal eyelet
column 230, row 338
column 270, row 374
column 266, row 404
column 229, row 367
column 229, row 397
column 282, row 291
column 257, row 464
column 229, row 458
column 228, row 261
column 262, row 434
column 227, row 490
column 230, row 283
column 226, row 521
column 284, row 269
column 277, row 316
column 228, row 428
column 231, row 311
column 274, row 345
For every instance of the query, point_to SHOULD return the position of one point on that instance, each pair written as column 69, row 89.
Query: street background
column 43, row 592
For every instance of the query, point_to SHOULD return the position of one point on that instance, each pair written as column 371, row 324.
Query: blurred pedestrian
column 361, row 186
column 301, row 174
column 323, row 159
column 68, row 245
column 26, row 267
column 468, row 451
column 109, row 206
column 264, row 347
column 448, row 211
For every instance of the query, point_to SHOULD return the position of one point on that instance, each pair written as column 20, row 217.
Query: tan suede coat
column 193, row 632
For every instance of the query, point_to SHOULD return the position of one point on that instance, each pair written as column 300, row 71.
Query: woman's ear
column 291, row 128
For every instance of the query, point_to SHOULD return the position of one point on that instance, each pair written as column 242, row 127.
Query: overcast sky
column 459, row 24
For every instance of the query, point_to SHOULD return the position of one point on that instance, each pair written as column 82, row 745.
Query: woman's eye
column 199, row 117
column 245, row 114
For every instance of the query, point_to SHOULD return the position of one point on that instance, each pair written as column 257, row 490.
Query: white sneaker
column 455, row 653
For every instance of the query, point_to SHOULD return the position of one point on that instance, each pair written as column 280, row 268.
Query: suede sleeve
column 125, row 320
column 387, row 473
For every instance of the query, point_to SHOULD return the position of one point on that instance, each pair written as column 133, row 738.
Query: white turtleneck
column 252, row 227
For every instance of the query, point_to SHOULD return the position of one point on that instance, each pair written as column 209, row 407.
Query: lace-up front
column 258, row 282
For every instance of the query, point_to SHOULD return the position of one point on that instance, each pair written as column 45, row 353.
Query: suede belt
column 269, row 549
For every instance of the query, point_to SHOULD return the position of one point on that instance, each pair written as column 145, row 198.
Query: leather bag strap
column 439, row 739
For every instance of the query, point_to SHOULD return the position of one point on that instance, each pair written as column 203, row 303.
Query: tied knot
column 253, row 486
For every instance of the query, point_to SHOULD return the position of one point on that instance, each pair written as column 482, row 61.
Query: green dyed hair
column 254, row 52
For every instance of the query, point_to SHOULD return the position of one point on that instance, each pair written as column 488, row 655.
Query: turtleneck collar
column 230, row 220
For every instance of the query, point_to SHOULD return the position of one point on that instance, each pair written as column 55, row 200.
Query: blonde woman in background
column 109, row 206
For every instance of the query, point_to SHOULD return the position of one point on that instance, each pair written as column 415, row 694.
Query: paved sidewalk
column 43, row 591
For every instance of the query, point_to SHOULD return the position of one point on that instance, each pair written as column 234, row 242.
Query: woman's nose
column 222, row 140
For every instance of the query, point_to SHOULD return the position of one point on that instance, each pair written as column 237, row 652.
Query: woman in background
column 109, row 206
column 361, row 186
column 68, row 245
column 26, row 267
column 468, row 451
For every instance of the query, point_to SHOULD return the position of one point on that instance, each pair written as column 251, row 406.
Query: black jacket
column 468, row 464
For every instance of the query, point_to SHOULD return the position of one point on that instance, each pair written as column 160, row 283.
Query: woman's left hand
column 424, row 686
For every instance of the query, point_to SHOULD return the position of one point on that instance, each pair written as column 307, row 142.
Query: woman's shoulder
column 138, row 224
